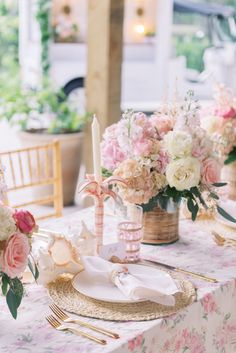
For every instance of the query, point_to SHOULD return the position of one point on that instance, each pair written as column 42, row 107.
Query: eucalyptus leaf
column 197, row 193
column 219, row 185
column 225, row 214
column 213, row 195
column 193, row 208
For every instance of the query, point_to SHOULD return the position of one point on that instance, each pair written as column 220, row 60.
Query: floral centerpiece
column 163, row 159
column 219, row 120
column 16, row 228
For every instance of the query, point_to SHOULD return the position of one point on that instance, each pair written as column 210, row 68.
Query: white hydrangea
column 7, row 223
column 210, row 123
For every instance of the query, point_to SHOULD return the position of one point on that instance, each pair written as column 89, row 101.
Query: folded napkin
column 158, row 286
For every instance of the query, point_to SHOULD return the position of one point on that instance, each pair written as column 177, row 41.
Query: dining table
column 208, row 325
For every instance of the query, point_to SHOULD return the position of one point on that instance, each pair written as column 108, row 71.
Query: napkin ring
column 116, row 273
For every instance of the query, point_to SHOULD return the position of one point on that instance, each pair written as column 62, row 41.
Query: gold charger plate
column 66, row 297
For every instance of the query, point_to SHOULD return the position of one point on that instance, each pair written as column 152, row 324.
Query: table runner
column 207, row 326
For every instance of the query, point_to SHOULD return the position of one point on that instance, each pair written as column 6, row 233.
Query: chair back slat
column 31, row 168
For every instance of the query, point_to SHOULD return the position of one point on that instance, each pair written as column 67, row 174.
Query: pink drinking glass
column 129, row 231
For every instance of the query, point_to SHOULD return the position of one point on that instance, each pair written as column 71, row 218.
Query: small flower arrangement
column 65, row 27
column 16, row 228
column 163, row 159
column 219, row 120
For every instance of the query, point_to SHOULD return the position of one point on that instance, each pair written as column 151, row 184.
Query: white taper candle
column 96, row 149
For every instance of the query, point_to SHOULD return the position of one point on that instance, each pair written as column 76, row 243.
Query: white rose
column 184, row 173
column 7, row 223
column 178, row 144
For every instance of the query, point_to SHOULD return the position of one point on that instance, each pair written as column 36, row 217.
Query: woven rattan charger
column 65, row 296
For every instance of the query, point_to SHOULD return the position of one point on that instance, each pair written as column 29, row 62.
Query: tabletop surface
column 206, row 326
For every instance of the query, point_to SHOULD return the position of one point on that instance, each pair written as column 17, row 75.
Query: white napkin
column 158, row 286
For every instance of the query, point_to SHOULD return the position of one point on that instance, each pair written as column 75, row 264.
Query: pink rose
column 162, row 123
column 14, row 258
column 24, row 221
column 210, row 171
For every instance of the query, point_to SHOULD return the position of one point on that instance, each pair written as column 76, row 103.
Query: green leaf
column 153, row 202
column 5, row 283
column 231, row 157
column 17, row 287
column 33, row 269
column 193, row 208
column 213, row 195
column 219, row 185
column 197, row 193
column 106, row 173
column 12, row 302
column 36, row 273
column 162, row 202
column 225, row 214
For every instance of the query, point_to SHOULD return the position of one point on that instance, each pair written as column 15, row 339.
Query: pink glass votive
column 131, row 234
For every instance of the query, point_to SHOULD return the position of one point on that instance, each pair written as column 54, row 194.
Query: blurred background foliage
column 190, row 44
column 9, row 63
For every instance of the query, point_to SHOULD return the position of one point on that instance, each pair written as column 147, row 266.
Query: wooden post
column 103, row 81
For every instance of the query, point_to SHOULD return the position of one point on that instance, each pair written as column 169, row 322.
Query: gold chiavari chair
column 34, row 167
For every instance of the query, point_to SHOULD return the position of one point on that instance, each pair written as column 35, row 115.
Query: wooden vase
column 228, row 175
column 160, row 227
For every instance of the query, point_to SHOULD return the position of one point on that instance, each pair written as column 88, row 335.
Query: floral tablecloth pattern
column 207, row 326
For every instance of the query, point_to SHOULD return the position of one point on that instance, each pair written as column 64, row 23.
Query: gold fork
column 58, row 326
column 64, row 317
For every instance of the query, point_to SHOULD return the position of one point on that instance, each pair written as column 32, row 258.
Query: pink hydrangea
column 112, row 154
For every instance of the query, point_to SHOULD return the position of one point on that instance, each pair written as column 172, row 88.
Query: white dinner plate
column 230, row 207
column 107, row 291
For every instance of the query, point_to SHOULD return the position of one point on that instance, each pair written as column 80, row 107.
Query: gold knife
column 177, row 269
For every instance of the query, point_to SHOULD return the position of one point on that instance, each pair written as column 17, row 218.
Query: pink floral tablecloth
column 207, row 326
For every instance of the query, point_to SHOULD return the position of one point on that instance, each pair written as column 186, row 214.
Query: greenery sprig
column 13, row 290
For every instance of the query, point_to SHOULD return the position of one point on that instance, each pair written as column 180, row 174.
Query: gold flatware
column 40, row 235
column 221, row 241
column 180, row 270
column 47, row 231
column 44, row 233
column 65, row 318
column 58, row 326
